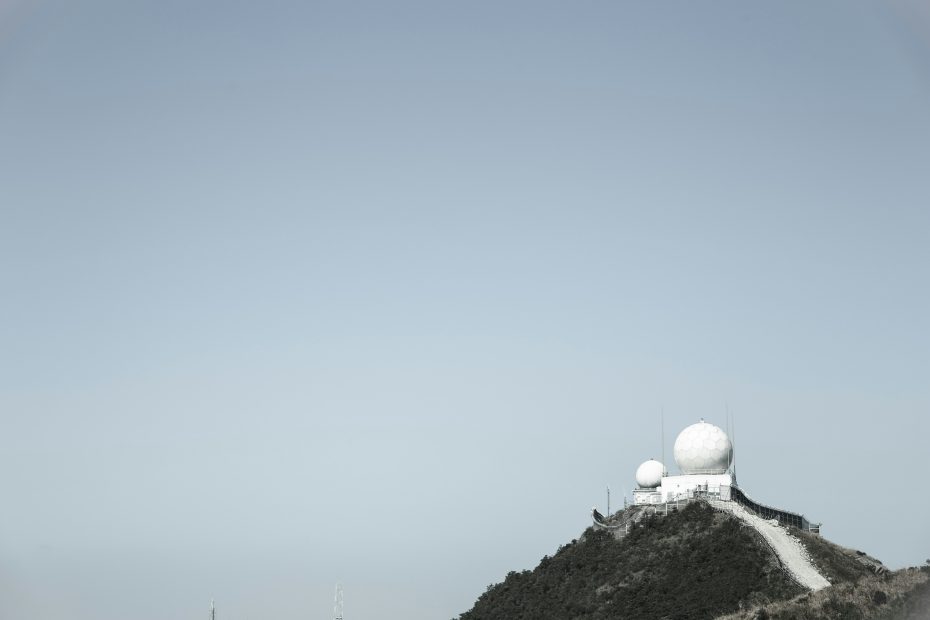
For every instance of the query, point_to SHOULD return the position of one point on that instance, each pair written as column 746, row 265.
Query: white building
column 704, row 454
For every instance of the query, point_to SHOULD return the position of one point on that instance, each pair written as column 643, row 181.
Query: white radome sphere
column 703, row 448
column 649, row 474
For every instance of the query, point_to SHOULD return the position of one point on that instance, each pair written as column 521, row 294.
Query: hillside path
column 789, row 549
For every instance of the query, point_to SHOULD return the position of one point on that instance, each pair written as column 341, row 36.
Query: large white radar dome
column 703, row 448
column 649, row 474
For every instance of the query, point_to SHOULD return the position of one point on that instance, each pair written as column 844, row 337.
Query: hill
column 694, row 563
column 902, row 595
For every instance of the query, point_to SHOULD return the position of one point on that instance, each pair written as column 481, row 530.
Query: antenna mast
column 729, row 430
column 212, row 610
column 337, row 603
column 662, row 424
column 733, row 444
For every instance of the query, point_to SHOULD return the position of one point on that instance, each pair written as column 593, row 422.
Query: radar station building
column 704, row 455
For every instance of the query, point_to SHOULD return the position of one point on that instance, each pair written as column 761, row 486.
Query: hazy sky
column 388, row 292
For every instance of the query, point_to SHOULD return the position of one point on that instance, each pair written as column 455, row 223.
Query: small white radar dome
column 703, row 448
column 649, row 474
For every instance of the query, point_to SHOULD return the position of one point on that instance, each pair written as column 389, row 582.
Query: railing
column 724, row 493
column 784, row 517
column 637, row 512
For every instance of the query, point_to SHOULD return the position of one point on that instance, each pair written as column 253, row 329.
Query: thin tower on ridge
column 337, row 603
column 662, row 439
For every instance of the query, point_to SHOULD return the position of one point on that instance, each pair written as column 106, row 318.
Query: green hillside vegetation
column 838, row 564
column 692, row 564
column 699, row 563
column 902, row 595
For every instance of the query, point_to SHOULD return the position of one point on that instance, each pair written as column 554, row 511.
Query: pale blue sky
column 387, row 293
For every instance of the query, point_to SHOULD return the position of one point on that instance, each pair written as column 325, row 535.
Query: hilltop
column 696, row 563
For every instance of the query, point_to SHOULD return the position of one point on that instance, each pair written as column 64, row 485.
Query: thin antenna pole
column 212, row 610
column 662, row 423
column 733, row 443
column 608, row 501
column 729, row 431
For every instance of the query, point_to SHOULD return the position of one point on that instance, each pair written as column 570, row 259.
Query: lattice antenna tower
column 337, row 603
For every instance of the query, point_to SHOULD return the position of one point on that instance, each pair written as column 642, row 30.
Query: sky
column 387, row 294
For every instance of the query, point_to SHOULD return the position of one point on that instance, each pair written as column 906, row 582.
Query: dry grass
column 837, row 563
column 874, row 597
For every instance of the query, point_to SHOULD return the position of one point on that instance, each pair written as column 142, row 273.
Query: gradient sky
column 388, row 292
